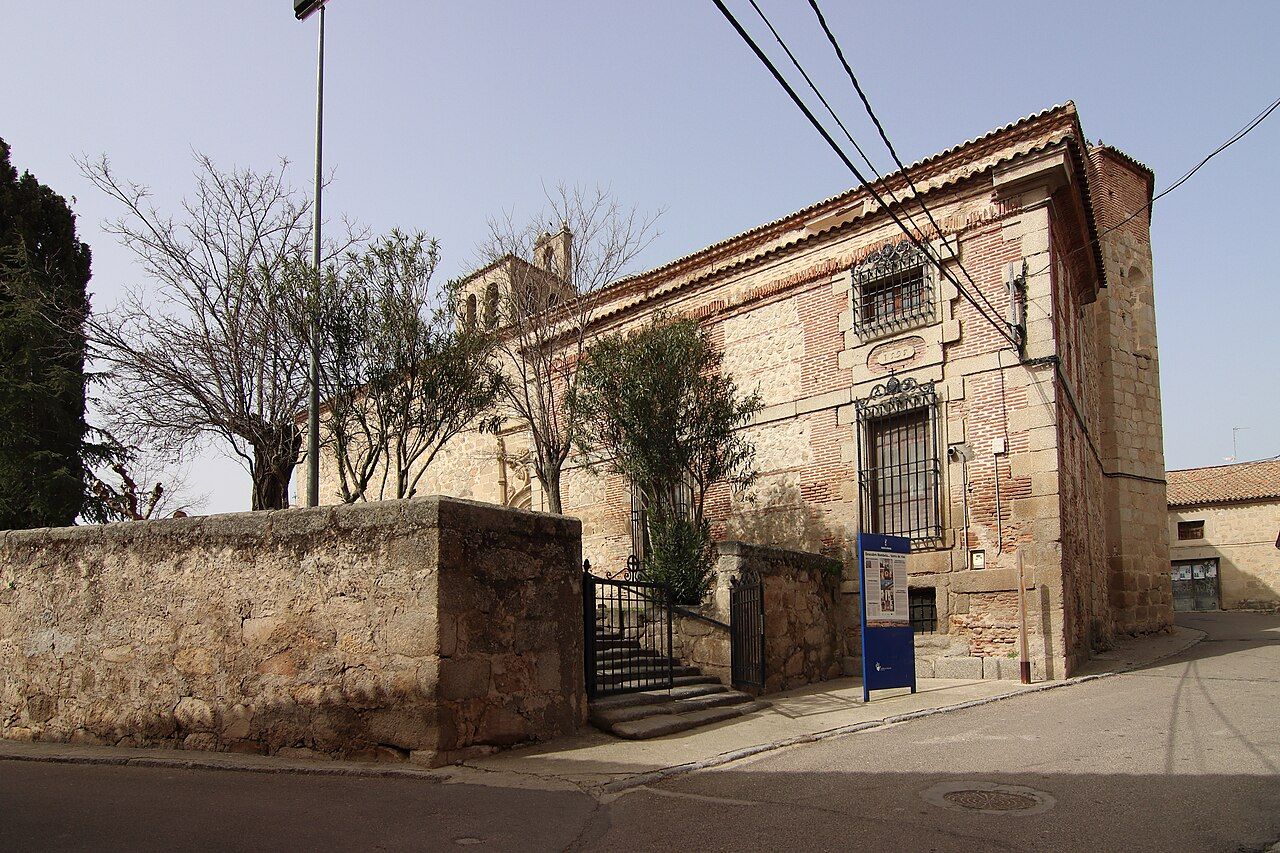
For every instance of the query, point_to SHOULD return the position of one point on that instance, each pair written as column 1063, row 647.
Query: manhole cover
column 998, row 801
column 988, row 798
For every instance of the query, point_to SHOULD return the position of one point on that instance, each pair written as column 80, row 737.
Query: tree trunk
column 549, row 476
column 272, row 470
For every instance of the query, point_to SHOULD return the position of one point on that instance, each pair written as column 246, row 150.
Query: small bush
column 682, row 558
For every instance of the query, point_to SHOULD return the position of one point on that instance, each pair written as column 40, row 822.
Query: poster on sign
column 887, row 602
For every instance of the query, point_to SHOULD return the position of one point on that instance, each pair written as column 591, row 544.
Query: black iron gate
column 626, row 633
column 746, row 630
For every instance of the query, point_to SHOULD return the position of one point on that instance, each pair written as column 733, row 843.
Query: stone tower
column 1132, row 443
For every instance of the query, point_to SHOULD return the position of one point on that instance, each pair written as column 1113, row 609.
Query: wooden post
column 1024, row 661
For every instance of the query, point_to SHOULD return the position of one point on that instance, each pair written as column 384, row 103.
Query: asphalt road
column 1184, row 755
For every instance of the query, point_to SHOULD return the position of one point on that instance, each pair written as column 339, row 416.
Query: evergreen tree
column 44, row 271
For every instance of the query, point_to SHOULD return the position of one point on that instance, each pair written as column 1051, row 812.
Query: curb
column 196, row 763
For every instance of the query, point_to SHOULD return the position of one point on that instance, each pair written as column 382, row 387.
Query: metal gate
column 626, row 633
column 746, row 630
column 1195, row 585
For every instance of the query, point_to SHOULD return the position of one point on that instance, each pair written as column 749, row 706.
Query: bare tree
column 141, row 489
column 552, row 280
column 216, row 348
column 401, row 376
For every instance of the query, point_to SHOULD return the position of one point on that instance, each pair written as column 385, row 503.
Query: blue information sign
column 888, row 642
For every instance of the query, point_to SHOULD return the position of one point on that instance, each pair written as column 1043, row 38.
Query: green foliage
column 45, row 456
column 401, row 375
column 681, row 557
column 656, row 404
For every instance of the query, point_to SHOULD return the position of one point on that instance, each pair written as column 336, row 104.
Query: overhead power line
column 893, row 152
column 1235, row 137
column 857, row 173
column 884, row 183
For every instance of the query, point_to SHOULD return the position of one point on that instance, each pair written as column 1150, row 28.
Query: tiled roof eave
column 1195, row 504
column 652, row 285
column 847, row 197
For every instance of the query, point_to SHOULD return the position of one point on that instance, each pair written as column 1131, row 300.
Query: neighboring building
column 1224, row 536
column 894, row 405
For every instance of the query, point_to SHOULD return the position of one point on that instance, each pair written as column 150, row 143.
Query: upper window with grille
column 892, row 289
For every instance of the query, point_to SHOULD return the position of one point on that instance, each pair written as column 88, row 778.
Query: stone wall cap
column 418, row 513
column 751, row 550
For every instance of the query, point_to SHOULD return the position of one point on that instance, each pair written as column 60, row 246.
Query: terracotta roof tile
column 1243, row 481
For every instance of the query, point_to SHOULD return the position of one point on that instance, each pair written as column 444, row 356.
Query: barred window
column 639, row 525
column 899, row 467
column 893, row 288
column 640, row 546
column 922, row 607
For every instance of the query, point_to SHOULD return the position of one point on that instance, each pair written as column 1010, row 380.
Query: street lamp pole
column 303, row 9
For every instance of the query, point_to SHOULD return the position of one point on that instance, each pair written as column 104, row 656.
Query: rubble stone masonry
column 806, row 625
column 429, row 629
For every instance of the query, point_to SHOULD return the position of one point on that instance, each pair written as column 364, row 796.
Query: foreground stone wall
column 427, row 629
column 804, row 616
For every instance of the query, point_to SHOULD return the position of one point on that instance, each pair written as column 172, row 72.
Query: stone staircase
column 693, row 699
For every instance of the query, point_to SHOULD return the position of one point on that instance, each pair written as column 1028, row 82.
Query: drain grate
column 990, row 798
column 995, row 801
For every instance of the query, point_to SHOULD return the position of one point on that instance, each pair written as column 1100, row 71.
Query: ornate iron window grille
column 899, row 468
column 892, row 289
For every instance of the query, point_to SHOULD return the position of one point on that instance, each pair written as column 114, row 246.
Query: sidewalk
column 595, row 761
column 601, row 764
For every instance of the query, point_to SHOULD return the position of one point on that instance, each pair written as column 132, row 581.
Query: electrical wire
column 1236, row 137
column 844, row 158
column 884, row 183
column 884, row 136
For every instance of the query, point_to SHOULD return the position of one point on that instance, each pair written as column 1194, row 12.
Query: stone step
column 667, row 723
column 645, row 666
column 682, row 680
column 607, row 645
column 611, row 676
column 626, row 653
column 652, row 697
column 605, row 717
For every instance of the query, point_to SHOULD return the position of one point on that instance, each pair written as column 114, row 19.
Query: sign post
column 888, row 641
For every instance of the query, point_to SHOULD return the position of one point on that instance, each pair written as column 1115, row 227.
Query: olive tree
column 657, row 408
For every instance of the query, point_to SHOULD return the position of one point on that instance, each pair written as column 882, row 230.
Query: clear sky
column 439, row 114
